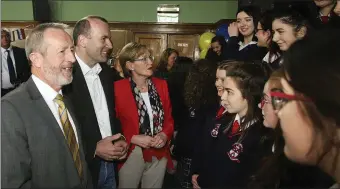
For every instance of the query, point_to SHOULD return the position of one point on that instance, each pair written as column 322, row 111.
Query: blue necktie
column 11, row 70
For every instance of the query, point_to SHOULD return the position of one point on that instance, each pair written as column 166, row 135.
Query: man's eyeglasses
column 145, row 59
column 279, row 98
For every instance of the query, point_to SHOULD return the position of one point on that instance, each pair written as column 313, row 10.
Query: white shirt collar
column 272, row 58
column 238, row 118
column 86, row 69
column 3, row 50
column 45, row 90
column 242, row 46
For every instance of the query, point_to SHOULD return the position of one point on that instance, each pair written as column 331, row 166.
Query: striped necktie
column 69, row 133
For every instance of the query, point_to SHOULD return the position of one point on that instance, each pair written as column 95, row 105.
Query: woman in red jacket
column 144, row 110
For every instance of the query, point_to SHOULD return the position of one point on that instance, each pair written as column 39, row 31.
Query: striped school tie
column 69, row 134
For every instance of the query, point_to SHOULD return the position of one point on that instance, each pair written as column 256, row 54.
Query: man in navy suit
column 14, row 68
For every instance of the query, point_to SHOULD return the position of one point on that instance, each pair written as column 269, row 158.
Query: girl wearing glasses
column 264, row 35
column 309, row 105
column 236, row 147
column 143, row 107
column 277, row 171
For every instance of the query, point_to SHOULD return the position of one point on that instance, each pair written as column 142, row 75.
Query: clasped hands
column 112, row 148
column 145, row 141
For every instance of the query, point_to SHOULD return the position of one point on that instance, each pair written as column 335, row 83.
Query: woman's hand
column 233, row 29
column 143, row 141
column 159, row 140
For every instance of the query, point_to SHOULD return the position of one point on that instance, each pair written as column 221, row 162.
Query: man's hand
column 159, row 140
column 107, row 150
column 122, row 143
column 143, row 141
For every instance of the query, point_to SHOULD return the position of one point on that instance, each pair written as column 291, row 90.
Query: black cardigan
column 249, row 53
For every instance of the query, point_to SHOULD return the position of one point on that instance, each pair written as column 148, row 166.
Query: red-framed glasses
column 279, row 98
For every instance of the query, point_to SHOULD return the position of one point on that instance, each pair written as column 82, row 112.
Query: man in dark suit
column 92, row 95
column 41, row 143
column 15, row 68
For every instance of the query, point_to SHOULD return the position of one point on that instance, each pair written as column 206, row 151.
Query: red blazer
column 126, row 111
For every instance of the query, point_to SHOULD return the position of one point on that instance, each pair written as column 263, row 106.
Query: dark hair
column 83, row 27
column 211, row 55
column 255, row 13
column 220, row 40
column 312, row 66
column 163, row 62
column 292, row 18
column 266, row 21
column 200, row 84
column 273, row 167
column 250, row 79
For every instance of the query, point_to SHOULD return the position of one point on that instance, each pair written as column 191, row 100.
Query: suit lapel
column 45, row 112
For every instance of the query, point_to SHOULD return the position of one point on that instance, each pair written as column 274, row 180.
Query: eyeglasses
column 145, row 59
column 264, row 100
column 279, row 98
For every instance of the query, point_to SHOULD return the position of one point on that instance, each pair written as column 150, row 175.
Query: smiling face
column 216, row 47
column 245, row 24
column 284, row 34
column 232, row 98
column 263, row 37
column 54, row 66
column 98, row 45
column 220, row 76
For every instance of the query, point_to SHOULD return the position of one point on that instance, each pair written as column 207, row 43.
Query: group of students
column 230, row 146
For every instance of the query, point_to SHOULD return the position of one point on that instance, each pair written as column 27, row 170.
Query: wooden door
column 186, row 45
column 119, row 39
column 157, row 43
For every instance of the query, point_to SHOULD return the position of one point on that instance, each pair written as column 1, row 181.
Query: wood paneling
column 184, row 44
column 157, row 43
column 157, row 36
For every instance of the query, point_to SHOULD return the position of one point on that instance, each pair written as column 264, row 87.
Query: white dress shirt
column 97, row 94
column 5, row 81
column 146, row 99
column 49, row 95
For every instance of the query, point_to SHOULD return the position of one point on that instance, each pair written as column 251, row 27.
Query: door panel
column 155, row 42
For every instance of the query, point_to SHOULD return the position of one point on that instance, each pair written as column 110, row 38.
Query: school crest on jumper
column 214, row 132
column 235, row 152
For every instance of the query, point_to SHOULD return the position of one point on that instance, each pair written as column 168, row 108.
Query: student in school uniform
column 237, row 143
column 288, row 27
column 242, row 43
column 264, row 35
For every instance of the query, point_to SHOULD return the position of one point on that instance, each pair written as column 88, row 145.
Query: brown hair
column 319, row 53
column 199, row 84
column 83, row 27
column 130, row 52
column 163, row 62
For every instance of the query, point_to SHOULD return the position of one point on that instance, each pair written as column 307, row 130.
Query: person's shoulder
column 17, row 97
